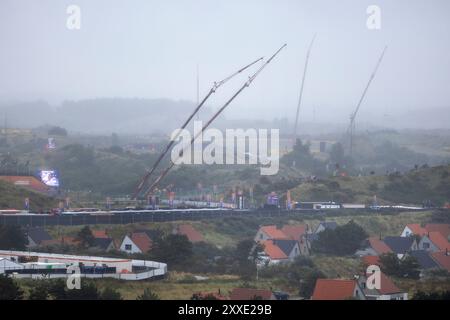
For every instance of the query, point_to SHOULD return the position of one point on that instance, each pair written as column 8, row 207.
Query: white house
column 137, row 242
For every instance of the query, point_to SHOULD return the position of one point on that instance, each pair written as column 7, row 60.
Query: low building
column 38, row 265
column 37, row 237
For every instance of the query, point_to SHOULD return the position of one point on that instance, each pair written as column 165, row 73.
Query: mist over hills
column 131, row 115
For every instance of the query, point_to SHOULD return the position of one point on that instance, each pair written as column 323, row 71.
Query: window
column 128, row 247
column 426, row 245
column 261, row 236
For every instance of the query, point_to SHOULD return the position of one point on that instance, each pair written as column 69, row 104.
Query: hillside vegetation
column 14, row 197
column 414, row 187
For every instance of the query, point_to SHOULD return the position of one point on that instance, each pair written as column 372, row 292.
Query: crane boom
column 301, row 87
column 245, row 85
column 213, row 89
column 358, row 106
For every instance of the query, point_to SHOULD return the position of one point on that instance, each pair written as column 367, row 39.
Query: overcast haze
column 150, row 49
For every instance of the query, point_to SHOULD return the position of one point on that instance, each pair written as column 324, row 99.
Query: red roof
column 379, row 246
column 100, row 234
column 69, row 240
column 442, row 228
column 417, row 229
column 442, row 258
column 141, row 240
column 441, row 242
column 294, row 232
column 272, row 250
column 387, row 286
column 273, row 232
column 250, row 294
column 190, row 232
column 334, row 289
column 371, row 260
column 28, row 182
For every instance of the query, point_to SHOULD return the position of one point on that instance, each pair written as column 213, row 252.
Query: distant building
column 37, row 236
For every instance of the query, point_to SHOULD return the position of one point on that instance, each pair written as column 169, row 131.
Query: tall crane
column 351, row 128
column 245, row 85
column 301, row 88
column 213, row 89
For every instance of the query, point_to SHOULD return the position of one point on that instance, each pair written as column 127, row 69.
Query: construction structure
column 351, row 128
column 216, row 85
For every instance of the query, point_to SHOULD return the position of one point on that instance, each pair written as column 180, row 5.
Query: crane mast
column 245, row 85
column 358, row 106
column 301, row 88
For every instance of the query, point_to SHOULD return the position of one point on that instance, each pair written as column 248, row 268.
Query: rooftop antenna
column 301, row 88
column 245, row 85
column 213, row 89
column 353, row 115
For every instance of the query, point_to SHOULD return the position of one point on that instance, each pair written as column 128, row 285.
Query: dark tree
column 57, row 131
column 110, row 294
column 173, row 249
column 40, row 290
column 148, row 295
column 9, row 290
column 12, row 238
column 343, row 240
column 86, row 237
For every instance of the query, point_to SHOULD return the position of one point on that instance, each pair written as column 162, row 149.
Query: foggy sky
column 150, row 49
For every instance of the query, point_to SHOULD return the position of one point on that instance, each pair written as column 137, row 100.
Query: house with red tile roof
column 190, row 232
column 442, row 258
column 387, row 290
column 442, row 228
column 137, row 242
column 371, row 260
column 413, row 229
column 270, row 232
column 374, row 246
column 337, row 289
column 251, row 294
column 102, row 234
column 434, row 241
column 287, row 232
column 278, row 251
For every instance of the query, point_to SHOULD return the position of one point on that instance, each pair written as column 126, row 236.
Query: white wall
column 128, row 241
